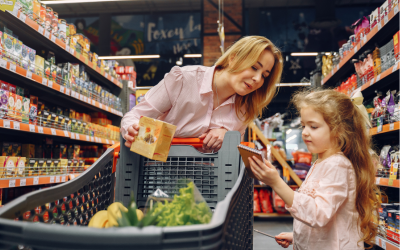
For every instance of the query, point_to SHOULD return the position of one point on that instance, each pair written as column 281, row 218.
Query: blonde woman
column 206, row 102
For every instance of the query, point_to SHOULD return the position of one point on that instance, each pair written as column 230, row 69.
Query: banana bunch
column 109, row 218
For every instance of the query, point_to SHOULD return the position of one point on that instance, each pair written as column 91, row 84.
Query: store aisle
column 272, row 226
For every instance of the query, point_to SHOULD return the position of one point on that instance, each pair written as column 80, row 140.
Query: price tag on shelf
column 63, row 178
column 395, row 67
column 22, row 182
column 50, row 84
column 28, row 74
column 72, row 93
column 379, row 25
column 390, row 182
column 53, row 38
column 379, row 128
column 93, row 102
column 377, row 241
column 66, row 133
column 372, row 82
column 107, row 141
column 364, row 39
column 40, row 129
column 22, row 17
column 16, row 125
column 16, row 8
column 67, row 91
column 107, row 109
column 44, row 81
column 51, row 179
column 57, row 179
column 67, row 48
column 72, row 135
column 101, row 105
column 72, row 51
column 35, row 180
column 396, row 9
column 62, row 89
column 6, row 124
column 355, row 49
column 377, row 180
column 53, row 131
column 85, row 99
column 386, row 19
column 11, row 183
column 3, row 63
column 378, row 78
column 87, row 138
column 91, row 139
column 13, row 67
column 383, row 244
column 81, row 97
column 32, row 128
column 106, row 75
column 112, row 79
column 40, row 30
column 47, row 34
column 391, row 126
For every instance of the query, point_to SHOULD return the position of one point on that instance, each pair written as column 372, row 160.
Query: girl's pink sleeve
column 157, row 101
column 318, row 202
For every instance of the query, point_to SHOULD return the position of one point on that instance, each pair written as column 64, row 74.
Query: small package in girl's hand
column 154, row 139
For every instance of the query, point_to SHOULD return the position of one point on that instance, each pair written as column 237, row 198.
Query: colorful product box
column 396, row 45
column 39, row 65
column 11, row 105
column 31, row 167
column 16, row 149
column 17, row 51
column 28, row 150
column 46, row 69
column 33, row 105
column 31, row 58
column 7, row 166
column 25, row 109
column 20, row 167
column 384, row 10
column 53, row 72
column 6, row 149
column 3, row 103
column 8, row 43
column 1, row 45
column 25, row 57
column 18, row 108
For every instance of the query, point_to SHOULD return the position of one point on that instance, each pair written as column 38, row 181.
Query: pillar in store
column 233, row 25
column 104, row 34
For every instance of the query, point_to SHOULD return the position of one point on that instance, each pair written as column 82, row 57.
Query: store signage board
column 7, row 5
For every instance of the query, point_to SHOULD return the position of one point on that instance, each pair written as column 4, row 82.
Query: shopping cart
column 220, row 177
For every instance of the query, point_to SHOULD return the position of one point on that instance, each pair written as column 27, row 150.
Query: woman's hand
column 284, row 239
column 130, row 136
column 264, row 171
column 212, row 140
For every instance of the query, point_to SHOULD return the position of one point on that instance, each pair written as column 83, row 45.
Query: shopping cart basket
column 220, row 177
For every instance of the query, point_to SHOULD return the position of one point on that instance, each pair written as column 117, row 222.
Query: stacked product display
column 69, row 75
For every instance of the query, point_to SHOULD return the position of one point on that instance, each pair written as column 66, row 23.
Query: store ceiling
column 148, row 6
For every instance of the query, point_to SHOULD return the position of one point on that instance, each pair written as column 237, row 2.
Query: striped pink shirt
column 185, row 98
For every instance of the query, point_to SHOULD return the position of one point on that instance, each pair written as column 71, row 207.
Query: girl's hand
column 264, row 171
column 212, row 140
column 130, row 136
column 284, row 239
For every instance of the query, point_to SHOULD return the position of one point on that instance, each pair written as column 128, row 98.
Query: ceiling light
column 192, row 55
column 291, row 138
column 289, row 131
column 304, row 54
column 129, row 57
column 293, row 84
column 80, row 1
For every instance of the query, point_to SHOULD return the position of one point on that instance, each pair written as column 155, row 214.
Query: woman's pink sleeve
column 157, row 101
column 318, row 202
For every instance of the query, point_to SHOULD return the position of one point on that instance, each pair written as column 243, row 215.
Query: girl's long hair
column 348, row 126
column 244, row 54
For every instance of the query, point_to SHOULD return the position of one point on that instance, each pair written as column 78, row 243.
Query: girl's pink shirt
column 324, row 210
column 185, row 98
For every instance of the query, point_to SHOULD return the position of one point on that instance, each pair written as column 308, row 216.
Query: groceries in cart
column 154, row 139
column 187, row 208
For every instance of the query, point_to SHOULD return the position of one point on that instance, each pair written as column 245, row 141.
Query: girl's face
column 252, row 78
column 316, row 132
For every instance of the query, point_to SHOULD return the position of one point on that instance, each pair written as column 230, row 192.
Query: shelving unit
column 386, row 244
column 36, row 37
column 387, row 182
column 384, row 28
column 32, row 181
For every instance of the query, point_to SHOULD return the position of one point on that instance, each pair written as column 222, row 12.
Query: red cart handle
column 195, row 142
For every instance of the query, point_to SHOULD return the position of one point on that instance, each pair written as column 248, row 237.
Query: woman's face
column 252, row 78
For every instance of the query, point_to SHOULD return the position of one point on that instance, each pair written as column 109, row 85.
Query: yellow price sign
column 7, row 5
column 390, row 182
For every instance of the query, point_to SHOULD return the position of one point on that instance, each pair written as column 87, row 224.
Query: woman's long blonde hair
column 348, row 126
column 244, row 54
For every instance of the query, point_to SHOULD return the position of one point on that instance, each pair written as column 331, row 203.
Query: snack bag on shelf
column 374, row 18
column 256, row 202
column 11, row 105
column 265, row 200
column 49, row 18
column 54, row 24
column 18, row 108
column 4, row 95
column 35, row 11
column 20, row 167
column 7, row 166
column 42, row 17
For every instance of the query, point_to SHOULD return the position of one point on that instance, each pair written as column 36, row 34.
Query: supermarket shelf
column 378, row 32
column 32, row 181
column 271, row 215
column 33, row 35
column 52, row 87
column 387, row 182
column 13, row 125
column 385, row 128
column 387, row 76
column 386, row 244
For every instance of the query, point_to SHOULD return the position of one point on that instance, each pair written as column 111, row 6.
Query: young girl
column 334, row 206
column 206, row 102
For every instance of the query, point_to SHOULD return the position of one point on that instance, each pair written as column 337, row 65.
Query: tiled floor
column 273, row 226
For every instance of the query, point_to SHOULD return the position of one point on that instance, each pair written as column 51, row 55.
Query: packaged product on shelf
column 63, row 151
column 28, row 150
column 4, row 95
column 18, row 108
column 38, row 151
column 20, row 167
column 31, row 58
column 49, row 18
column 56, row 151
column 43, row 13
column 54, row 23
column 17, row 51
column 374, row 18
column 8, row 43
column 16, row 149
column 6, row 149
column 62, row 29
column 53, row 72
column 56, row 166
column 7, row 164
column 396, row 45
column 27, row 6
column 35, row 10
column 33, row 103
column 11, row 105
column 48, row 150
column 31, row 167
column 384, row 10
column 39, row 65
column 25, row 57
column 47, row 69
column 54, row 120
